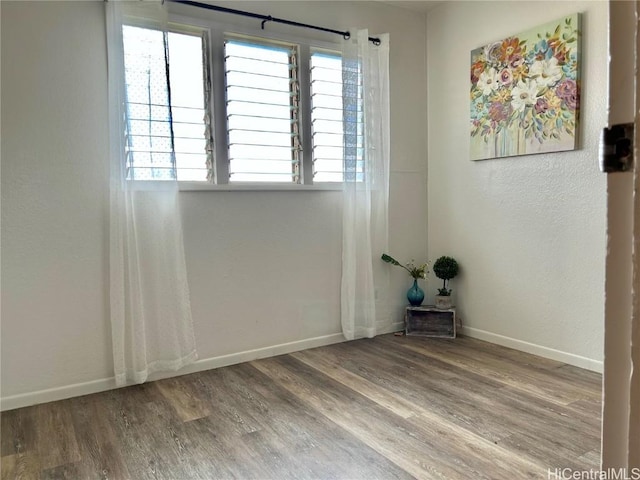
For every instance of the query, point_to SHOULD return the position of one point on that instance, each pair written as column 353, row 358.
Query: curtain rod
column 269, row 18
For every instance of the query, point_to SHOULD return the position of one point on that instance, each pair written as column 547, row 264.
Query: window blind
column 263, row 101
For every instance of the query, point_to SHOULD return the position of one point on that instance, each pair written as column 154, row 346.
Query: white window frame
column 215, row 33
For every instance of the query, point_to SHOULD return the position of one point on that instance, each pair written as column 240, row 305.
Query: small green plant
column 419, row 271
column 445, row 269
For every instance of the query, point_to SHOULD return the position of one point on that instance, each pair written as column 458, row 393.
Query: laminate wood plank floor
column 385, row 408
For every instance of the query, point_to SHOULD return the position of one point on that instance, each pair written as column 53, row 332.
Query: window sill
column 256, row 187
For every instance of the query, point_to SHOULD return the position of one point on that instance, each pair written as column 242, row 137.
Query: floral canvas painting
column 525, row 92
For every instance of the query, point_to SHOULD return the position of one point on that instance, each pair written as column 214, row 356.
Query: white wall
column 264, row 267
column 529, row 232
column 54, row 196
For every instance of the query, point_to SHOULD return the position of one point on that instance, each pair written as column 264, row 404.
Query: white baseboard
column 394, row 327
column 58, row 393
column 569, row 358
column 249, row 355
column 101, row 385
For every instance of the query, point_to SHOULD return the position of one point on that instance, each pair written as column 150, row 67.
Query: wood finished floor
column 388, row 408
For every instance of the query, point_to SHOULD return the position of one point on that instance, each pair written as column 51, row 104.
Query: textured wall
column 54, row 196
column 529, row 231
column 264, row 267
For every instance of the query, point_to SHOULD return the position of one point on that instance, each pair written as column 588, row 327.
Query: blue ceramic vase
column 415, row 295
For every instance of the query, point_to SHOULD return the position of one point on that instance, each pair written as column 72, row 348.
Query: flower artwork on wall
column 525, row 92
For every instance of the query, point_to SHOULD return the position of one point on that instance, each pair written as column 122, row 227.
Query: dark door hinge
column 616, row 148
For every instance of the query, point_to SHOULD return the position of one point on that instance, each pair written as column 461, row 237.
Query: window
column 166, row 129
column 276, row 121
column 262, row 106
column 326, row 116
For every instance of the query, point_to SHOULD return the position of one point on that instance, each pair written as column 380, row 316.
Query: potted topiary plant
column 445, row 268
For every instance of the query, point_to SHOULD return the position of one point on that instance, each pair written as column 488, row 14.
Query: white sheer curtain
column 152, row 328
column 365, row 76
